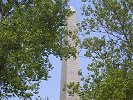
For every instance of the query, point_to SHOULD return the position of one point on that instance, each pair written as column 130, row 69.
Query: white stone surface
column 70, row 67
column 72, row 9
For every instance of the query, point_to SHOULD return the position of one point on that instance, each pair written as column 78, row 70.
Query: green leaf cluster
column 108, row 25
column 30, row 31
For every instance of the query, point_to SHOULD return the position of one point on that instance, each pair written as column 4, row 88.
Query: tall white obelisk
column 70, row 67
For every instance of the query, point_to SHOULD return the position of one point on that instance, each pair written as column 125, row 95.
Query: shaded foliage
column 109, row 45
column 30, row 30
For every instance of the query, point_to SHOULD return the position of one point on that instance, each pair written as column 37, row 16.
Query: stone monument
column 70, row 66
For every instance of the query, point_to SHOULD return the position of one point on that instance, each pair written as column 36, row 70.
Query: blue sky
column 51, row 88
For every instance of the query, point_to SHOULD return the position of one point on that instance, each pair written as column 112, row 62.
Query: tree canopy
column 30, row 30
column 108, row 25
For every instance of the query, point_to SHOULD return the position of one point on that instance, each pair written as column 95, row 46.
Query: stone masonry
column 70, row 67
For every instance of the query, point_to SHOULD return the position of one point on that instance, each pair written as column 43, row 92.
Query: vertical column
column 70, row 67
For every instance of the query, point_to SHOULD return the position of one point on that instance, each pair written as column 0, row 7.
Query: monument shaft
column 70, row 66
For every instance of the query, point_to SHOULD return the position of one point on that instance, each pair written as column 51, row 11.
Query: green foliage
column 109, row 44
column 30, row 31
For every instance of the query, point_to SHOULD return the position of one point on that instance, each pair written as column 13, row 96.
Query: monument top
column 72, row 9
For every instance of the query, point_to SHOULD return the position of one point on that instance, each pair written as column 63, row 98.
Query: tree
column 30, row 30
column 109, row 45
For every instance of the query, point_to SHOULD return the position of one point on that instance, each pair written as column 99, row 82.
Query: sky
column 51, row 88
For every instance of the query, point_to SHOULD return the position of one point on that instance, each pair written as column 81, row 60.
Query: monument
column 70, row 66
